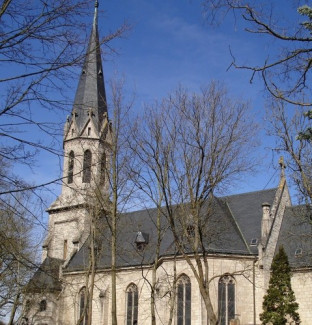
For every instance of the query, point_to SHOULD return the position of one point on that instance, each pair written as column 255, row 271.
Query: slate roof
column 235, row 221
column 46, row 278
column 91, row 90
column 296, row 233
column 247, row 211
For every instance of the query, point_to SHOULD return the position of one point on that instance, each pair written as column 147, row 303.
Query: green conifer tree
column 280, row 301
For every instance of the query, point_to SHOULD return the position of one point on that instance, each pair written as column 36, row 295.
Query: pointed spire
column 90, row 93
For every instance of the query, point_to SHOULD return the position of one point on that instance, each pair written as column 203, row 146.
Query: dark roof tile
column 46, row 278
column 90, row 93
column 296, row 232
column 235, row 221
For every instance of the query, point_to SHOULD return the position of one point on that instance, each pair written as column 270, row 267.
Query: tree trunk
column 114, row 224
column 173, row 294
column 14, row 308
column 92, row 269
column 153, row 314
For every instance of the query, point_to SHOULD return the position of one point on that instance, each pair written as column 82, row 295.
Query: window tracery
column 71, row 159
column 184, row 300
column 83, row 307
column 132, row 304
column 103, row 169
column 43, row 305
column 87, row 162
column 226, row 299
column 104, row 298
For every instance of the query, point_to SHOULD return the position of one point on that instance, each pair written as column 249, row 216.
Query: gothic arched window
column 132, row 305
column 87, row 162
column 184, row 300
column 83, row 307
column 103, row 169
column 226, row 299
column 71, row 159
column 43, row 305
column 104, row 300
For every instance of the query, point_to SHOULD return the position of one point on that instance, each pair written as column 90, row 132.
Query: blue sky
column 170, row 43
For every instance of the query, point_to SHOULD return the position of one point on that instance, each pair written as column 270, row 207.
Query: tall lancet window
column 83, row 307
column 103, row 169
column 71, row 160
column 184, row 300
column 226, row 299
column 104, row 300
column 87, row 162
column 132, row 305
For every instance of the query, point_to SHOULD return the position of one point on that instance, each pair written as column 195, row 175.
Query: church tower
column 86, row 144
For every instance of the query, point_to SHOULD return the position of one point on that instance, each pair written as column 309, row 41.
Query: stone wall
column 241, row 268
column 302, row 286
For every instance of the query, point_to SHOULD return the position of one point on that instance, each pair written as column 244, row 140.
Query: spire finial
column 96, row 5
column 282, row 165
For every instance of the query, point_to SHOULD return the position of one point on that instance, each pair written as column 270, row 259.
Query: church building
column 246, row 230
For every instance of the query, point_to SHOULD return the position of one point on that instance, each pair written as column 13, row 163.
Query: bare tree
column 17, row 252
column 41, row 45
column 286, row 71
column 190, row 148
column 108, row 197
column 120, row 189
column 97, row 212
column 285, row 125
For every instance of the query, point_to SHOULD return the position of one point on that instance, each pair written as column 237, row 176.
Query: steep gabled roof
column 228, row 230
column 90, row 99
column 296, row 236
column 46, row 278
column 247, row 211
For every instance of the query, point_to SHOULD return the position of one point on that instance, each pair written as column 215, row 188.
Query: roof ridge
column 216, row 197
column 246, row 193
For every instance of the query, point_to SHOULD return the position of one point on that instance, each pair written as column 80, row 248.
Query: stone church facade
column 239, row 260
